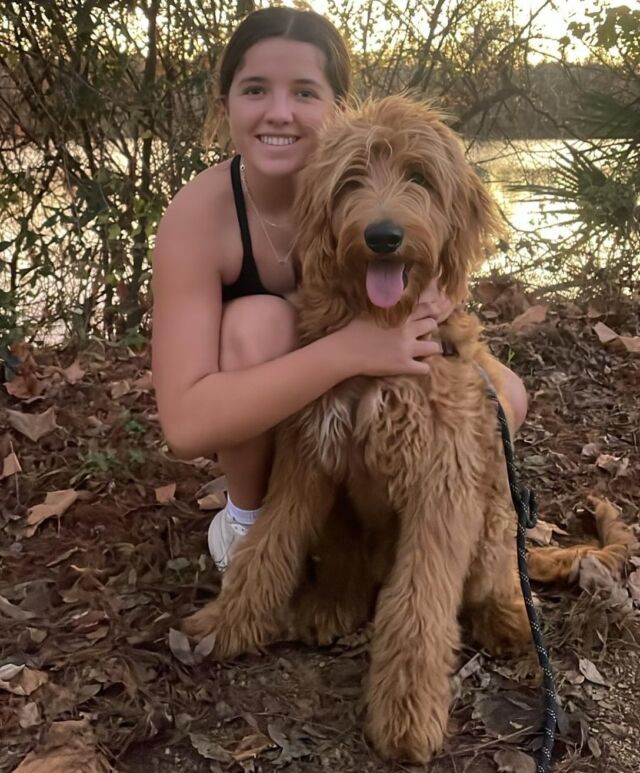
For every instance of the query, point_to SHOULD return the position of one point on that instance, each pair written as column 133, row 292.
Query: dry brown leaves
column 69, row 747
column 90, row 603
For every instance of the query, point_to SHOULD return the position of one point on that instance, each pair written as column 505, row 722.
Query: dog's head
column 387, row 203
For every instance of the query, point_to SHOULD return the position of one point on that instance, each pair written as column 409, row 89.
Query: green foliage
column 599, row 183
column 103, row 104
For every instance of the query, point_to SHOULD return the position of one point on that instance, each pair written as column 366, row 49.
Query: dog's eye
column 346, row 186
column 419, row 179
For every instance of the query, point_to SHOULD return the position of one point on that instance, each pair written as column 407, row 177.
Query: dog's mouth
column 386, row 281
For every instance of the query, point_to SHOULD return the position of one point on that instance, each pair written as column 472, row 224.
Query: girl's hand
column 370, row 350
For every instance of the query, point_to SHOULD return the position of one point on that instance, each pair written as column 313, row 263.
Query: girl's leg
column 516, row 395
column 254, row 329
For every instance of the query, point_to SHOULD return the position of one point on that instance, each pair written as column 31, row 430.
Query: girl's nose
column 279, row 109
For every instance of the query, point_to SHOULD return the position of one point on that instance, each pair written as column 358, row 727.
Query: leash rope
column 525, row 504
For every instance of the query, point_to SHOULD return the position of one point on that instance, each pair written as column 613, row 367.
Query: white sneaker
column 224, row 536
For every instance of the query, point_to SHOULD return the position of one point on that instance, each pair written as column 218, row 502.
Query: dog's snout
column 384, row 236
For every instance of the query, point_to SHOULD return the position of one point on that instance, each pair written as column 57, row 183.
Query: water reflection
column 537, row 226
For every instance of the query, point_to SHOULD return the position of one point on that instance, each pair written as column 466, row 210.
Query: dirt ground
column 93, row 580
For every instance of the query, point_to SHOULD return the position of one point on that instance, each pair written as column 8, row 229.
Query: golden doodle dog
column 388, row 498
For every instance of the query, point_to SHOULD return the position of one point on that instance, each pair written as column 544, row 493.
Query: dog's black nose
column 383, row 237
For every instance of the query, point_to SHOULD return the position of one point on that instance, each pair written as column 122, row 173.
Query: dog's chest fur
column 340, row 428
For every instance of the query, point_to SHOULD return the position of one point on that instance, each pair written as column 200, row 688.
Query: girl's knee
column 256, row 329
column 516, row 394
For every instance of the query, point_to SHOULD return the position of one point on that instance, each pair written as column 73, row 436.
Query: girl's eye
column 306, row 94
column 251, row 90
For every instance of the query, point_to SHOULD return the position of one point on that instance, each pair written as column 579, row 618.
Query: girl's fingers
column 427, row 348
column 425, row 326
column 421, row 311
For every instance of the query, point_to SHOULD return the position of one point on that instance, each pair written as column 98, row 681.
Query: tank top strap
column 248, row 281
column 241, row 208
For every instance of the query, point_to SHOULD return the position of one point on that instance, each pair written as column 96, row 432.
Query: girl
column 226, row 365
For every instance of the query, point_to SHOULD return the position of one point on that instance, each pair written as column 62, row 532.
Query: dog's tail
column 562, row 565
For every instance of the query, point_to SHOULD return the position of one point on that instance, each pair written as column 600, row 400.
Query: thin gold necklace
column 282, row 259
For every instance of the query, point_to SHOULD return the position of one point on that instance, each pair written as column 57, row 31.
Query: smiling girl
column 226, row 365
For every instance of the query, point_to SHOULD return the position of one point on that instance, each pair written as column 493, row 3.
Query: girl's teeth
column 278, row 140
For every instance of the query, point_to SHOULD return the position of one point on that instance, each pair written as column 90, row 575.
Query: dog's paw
column 405, row 739
column 235, row 628
column 203, row 622
column 408, row 712
column 502, row 627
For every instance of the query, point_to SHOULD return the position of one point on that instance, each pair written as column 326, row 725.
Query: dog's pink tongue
column 384, row 282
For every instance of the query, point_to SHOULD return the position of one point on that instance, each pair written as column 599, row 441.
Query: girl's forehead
column 282, row 58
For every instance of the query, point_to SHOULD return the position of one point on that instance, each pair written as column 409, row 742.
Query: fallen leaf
column 209, row 748
column 251, row 746
column 590, row 450
column 69, row 747
column 29, row 715
column 590, row 672
column 594, row 747
column 533, row 316
column 119, row 389
column 633, row 583
column 144, row 383
column 630, row 344
column 210, row 487
column 56, row 503
column 33, row 425
column 73, row 373
column 214, row 501
column 165, row 494
column 543, row 532
column 573, row 677
column 292, row 743
column 10, row 466
column 15, row 613
column 204, row 647
column 604, row 333
column 514, row 761
column 509, row 711
column 487, row 291
column 594, row 576
column 21, row 680
column 619, row 343
column 614, row 465
column 180, row 646
column 24, row 388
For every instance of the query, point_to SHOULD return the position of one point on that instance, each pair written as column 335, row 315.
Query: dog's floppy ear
column 476, row 225
column 316, row 242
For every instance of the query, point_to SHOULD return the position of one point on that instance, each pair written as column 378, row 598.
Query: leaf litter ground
column 103, row 550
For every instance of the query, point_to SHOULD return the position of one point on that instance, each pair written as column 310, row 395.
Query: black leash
column 524, row 502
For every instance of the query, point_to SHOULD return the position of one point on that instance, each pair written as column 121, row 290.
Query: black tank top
column 248, row 281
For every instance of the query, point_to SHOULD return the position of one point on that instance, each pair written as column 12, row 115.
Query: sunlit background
column 548, row 20
column 116, row 129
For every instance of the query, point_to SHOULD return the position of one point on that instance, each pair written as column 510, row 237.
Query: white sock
column 243, row 517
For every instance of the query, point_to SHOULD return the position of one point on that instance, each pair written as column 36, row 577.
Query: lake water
column 535, row 226
column 500, row 164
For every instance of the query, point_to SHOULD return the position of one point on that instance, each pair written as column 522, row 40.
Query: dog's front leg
column 416, row 630
column 266, row 568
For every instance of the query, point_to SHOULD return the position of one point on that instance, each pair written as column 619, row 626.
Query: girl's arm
column 202, row 409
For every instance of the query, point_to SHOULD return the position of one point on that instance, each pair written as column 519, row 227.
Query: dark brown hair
column 291, row 24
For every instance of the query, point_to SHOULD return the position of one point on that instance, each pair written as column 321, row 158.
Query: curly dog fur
column 388, row 497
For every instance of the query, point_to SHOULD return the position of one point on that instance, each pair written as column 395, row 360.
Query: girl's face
column 279, row 98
